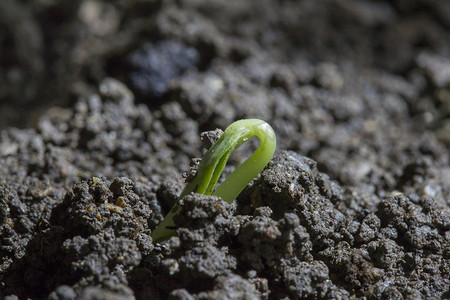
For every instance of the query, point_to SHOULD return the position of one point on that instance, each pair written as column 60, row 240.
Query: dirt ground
column 102, row 104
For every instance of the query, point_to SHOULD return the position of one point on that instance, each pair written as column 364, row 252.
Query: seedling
column 213, row 163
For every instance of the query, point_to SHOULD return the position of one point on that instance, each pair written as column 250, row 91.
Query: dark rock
column 153, row 66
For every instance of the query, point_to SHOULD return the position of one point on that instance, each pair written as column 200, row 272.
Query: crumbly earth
column 102, row 104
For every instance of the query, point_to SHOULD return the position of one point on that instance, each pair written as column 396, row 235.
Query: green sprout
column 213, row 163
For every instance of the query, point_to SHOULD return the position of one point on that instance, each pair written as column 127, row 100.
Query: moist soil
column 102, row 104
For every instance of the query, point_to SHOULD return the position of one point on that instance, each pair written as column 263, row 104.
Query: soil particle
column 263, row 241
column 436, row 68
column 154, row 66
column 296, row 190
column 96, row 293
column 90, row 238
column 231, row 287
column 369, row 228
column 305, row 279
column 63, row 292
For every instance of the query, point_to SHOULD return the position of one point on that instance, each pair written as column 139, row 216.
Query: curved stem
column 213, row 163
column 235, row 183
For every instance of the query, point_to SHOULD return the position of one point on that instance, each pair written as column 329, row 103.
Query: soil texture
column 102, row 104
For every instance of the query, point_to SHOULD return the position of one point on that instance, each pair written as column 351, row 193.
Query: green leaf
column 213, row 163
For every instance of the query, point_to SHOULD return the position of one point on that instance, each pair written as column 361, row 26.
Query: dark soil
column 102, row 104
